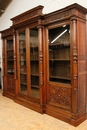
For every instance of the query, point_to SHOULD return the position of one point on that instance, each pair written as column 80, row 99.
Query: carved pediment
column 28, row 15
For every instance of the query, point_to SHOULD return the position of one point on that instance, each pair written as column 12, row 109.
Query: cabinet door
column 22, row 62
column 9, row 57
column 59, row 66
column 9, row 64
column 34, row 63
column 28, row 62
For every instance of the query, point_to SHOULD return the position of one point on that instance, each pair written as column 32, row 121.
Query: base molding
column 31, row 105
column 8, row 95
column 63, row 115
column 79, row 120
column 66, row 116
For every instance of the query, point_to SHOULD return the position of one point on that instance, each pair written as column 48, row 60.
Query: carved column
column 40, row 29
column 74, row 67
column 15, row 57
column 3, row 62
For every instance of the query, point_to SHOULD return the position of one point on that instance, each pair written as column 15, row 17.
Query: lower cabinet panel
column 9, row 90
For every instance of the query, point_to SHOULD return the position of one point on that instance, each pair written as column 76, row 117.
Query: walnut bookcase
column 45, row 62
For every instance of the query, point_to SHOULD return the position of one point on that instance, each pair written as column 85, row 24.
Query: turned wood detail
column 74, row 52
column 40, row 55
column 3, row 65
column 75, row 66
column 60, row 95
column 15, row 55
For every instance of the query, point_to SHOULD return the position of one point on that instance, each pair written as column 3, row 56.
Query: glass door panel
column 34, row 63
column 22, row 62
column 59, row 54
column 10, row 57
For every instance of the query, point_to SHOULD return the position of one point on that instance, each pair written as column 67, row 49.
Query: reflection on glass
column 10, row 57
column 22, row 62
column 34, row 63
column 59, row 54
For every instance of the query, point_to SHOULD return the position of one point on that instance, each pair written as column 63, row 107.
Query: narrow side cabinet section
column 45, row 62
column 8, row 63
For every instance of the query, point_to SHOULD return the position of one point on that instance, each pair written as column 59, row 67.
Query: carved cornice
column 28, row 15
column 7, row 32
column 75, row 11
column 57, row 16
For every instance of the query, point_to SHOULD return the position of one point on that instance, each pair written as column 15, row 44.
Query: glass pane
column 34, row 63
column 22, row 62
column 10, row 57
column 59, row 54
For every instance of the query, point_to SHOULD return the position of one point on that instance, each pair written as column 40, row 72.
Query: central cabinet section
column 28, row 62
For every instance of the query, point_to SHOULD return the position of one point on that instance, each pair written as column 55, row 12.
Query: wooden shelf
column 57, row 77
column 23, row 83
column 35, row 86
column 22, row 59
column 59, row 59
column 23, row 73
column 34, row 74
column 10, row 60
column 31, row 47
column 9, row 49
column 67, row 44
column 21, row 48
column 10, row 68
column 34, row 60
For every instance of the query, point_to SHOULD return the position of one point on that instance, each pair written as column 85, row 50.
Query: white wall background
column 17, row 7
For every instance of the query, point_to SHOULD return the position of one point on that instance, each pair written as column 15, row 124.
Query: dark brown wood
column 54, row 75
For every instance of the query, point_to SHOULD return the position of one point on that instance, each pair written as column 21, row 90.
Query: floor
column 16, row 117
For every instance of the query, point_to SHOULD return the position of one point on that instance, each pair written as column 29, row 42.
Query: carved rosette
column 60, row 96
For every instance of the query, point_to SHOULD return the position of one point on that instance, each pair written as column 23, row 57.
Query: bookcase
column 45, row 62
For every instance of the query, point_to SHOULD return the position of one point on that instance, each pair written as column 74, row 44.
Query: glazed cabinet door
column 59, row 66
column 34, row 63
column 8, row 67
column 22, row 62
column 28, row 62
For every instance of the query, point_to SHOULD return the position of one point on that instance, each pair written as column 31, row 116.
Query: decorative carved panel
column 58, row 16
column 10, row 83
column 60, row 96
